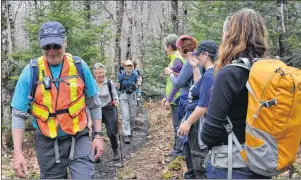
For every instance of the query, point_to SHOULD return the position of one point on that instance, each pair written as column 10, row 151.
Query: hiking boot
column 126, row 140
column 131, row 135
column 115, row 155
column 97, row 160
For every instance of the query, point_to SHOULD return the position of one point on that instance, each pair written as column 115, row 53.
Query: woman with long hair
column 244, row 35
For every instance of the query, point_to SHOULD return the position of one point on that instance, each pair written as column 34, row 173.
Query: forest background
column 111, row 31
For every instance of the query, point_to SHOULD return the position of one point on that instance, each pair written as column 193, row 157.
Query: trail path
column 107, row 168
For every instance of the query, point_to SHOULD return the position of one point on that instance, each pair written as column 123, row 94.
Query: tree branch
column 107, row 11
column 19, row 5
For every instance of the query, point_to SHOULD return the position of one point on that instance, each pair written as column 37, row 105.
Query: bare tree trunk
column 185, row 18
column 11, row 25
column 36, row 4
column 104, row 8
column 128, row 48
column 141, row 35
column 119, row 15
column 282, row 22
column 131, row 18
column 102, row 47
column 174, row 16
column 163, row 26
column 6, row 93
column 87, row 8
column 128, row 54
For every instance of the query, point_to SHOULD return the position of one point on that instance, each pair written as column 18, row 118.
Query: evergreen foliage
column 206, row 22
column 84, row 37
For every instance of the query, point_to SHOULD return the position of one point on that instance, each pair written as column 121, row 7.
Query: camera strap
column 58, row 79
column 64, row 78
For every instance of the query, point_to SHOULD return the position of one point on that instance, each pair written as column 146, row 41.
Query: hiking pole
column 144, row 114
column 120, row 149
column 120, row 144
column 291, row 171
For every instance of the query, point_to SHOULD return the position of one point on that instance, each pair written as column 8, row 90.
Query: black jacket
column 229, row 98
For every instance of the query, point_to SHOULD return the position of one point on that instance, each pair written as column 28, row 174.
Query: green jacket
column 169, row 85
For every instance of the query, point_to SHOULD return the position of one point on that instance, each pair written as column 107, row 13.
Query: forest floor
column 145, row 158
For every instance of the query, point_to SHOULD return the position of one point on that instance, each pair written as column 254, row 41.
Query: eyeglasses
column 51, row 46
column 129, row 65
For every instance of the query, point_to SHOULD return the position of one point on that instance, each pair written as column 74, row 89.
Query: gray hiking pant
column 81, row 167
column 128, row 108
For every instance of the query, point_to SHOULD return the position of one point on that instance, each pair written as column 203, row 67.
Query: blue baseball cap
column 206, row 46
column 51, row 33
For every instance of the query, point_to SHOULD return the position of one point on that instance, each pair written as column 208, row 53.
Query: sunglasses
column 129, row 65
column 51, row 46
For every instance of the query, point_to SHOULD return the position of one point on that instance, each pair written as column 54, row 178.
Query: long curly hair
column 245, row 35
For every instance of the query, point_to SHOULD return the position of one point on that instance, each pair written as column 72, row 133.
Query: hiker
column 140, row 80
column 127, row 83
column 121, row 67
column 138, row 71
column 175, row 70
column 185, row 44
column 109, row 100
column 198, row 100
column 175, row 60
column 54, row 89
column 244, row 35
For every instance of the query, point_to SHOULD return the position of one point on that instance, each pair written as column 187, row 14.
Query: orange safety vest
column 63, row 106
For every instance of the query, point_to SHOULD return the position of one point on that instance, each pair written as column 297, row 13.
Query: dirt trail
column 151, row 160
column 107, row 168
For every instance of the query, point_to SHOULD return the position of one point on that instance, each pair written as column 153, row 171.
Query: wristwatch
column 98, row 133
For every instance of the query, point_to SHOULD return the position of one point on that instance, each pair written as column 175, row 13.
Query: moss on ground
column 167, row 175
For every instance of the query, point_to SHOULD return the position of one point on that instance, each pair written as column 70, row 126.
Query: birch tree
column 6, row 92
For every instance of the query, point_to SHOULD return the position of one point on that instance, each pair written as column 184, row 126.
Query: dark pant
column 109, row 117
column 82, row 165
column 190, row 174
column 194, row 156
column 238, row 173
column 182, row 105
column 178, row 141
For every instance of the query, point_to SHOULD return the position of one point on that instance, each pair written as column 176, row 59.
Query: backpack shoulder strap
column 110, row 88
column 133, row 76
column 34, row 76
column 78, row 64
column 120, row 87
column 243, row 63
column 246, row 62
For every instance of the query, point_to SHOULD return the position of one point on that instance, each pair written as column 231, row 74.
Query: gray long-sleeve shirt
column 93, row 104
column 104, row 93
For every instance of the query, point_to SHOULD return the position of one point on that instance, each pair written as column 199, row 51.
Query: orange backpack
column 273, row 125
